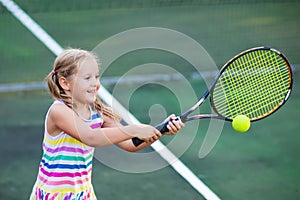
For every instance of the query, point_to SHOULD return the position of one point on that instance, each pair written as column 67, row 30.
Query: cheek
column 79, row 86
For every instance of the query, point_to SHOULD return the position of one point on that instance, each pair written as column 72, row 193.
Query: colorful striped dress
column 66, row 166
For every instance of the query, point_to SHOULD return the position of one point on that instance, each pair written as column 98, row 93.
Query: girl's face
column 85, row 83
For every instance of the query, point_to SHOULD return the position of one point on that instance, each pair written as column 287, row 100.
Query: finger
column 172, row 117
column 178, row 125
column 172, row 128
column 155, row 137
column 146, row 140
column 158, row 133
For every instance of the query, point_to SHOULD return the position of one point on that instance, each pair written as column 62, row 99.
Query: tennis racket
column 255, row 83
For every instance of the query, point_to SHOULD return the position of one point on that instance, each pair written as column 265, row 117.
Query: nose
column 96, row 82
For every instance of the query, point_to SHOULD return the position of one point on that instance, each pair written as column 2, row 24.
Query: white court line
column 32, row 26
column 161, row 149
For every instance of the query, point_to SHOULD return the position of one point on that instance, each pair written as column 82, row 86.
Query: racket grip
column 136, row 141
column 161, row 127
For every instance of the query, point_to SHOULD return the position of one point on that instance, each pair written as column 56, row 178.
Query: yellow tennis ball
column 241, row 123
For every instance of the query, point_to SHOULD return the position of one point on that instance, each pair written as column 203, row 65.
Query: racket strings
column 261, row 105
column 254, row 84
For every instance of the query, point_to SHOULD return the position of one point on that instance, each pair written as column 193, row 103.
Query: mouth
column 92, row 91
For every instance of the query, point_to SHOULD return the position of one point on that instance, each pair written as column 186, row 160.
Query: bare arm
column 128, row 145
column 61, row 118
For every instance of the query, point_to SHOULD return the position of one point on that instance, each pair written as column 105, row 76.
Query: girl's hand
column 174, row 125
column 147, row 133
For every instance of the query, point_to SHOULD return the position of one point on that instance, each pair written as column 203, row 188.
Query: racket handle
column 136, row 141
column 161, row 127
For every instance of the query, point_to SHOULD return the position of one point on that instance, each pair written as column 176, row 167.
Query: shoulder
column 57, row 113
column 61, row 118
column 59, row 110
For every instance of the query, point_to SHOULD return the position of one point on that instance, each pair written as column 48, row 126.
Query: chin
column 91, row 100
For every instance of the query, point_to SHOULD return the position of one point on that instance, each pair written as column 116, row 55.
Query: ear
column 64, row 83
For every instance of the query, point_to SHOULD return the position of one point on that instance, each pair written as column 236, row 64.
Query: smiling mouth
column 92, row 91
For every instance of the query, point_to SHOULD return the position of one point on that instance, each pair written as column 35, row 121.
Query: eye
column 97, row 76
column 87, row 78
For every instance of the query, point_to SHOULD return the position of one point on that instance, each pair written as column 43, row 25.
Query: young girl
column 75, row 123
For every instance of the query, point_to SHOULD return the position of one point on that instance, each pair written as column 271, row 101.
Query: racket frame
column 185, row 116
column 227, row 64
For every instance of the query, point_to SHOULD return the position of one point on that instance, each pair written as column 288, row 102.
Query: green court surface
column 260, row 164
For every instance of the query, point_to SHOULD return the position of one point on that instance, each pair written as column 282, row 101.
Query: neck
column 83, row 110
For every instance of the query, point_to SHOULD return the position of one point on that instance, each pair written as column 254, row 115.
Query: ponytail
column 56, row 90
column 100, row 107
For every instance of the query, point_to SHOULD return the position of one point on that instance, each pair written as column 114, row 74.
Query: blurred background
column 260, row 164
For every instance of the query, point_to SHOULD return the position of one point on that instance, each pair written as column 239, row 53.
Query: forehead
column 88, row 65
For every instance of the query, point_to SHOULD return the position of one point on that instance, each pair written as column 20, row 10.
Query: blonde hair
column 65, row 65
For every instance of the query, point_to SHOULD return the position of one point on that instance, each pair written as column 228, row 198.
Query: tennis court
column 261, row 164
